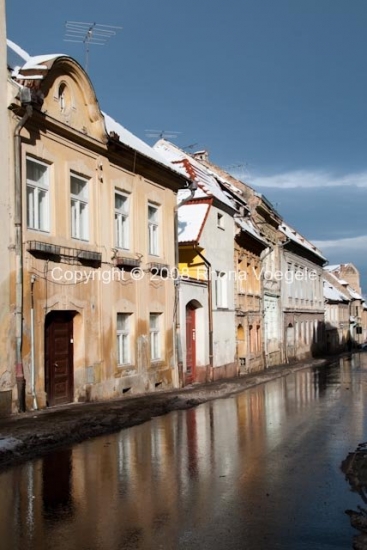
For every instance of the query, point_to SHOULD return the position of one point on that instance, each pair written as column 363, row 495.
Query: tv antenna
column 241, row 169
column 89, row 34
column 190, row 147
column 162, row 134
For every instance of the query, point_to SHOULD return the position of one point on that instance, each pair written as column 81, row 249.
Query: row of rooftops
column 338, row 290
column 210, row 182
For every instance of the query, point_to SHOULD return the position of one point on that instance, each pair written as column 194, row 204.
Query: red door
column 59, row 379
column 190, row 343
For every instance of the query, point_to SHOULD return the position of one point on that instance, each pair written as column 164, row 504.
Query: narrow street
column 256, row 471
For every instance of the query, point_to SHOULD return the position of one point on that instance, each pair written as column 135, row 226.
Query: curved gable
column 67, row 93
column 69, row 96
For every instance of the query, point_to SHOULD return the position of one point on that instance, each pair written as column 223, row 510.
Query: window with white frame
column 37, row 174
column 123, row 338
column 155, row 336
column 121, row 220
column 221, row 294
column 153, row 229
column 79, row 207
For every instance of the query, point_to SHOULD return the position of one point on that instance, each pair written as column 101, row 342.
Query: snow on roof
column 296, row 237
column 37, row 62
column 17, row 50
column 132, row 141
column 19, row 60
column 228, row 184
column 191, row 218
column 352, row 293
column 334, row 267
column 355, row 295
column 208, row 185
column 332, row 293
column 248, row 227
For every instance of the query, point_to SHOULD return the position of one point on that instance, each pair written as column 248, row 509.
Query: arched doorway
column 241, row 348
column 59, row 355
column 191, row 341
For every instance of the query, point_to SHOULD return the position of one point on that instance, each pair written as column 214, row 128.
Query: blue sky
column 277, row 87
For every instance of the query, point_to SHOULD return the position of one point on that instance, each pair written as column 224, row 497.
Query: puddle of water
column 259, row 470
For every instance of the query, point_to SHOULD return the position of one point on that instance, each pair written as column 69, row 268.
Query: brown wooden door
column 59, row 379
column 190, row 342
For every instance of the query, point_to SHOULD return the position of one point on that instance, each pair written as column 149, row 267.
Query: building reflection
column 146, row 486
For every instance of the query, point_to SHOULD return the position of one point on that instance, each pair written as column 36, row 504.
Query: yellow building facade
column 92, row 256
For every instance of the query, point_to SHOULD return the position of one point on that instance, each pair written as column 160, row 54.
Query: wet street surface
column 260, row 470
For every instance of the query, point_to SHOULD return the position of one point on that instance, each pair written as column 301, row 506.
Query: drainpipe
column 176, row 320
column 210, row 312
column 266, row 252
column 18, row 223
column 33, row 374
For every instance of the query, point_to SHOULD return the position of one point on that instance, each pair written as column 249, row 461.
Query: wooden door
column 59, row 371
column 291, row 351
column 190, row 342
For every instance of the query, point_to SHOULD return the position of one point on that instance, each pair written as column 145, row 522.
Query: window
column 79, row 207
column 153, row 218
column 220, row 220
column 37, row 195
column 221, row 290
column 123, row 339
column 64, row 98
column 155, row 340
column 121, row 220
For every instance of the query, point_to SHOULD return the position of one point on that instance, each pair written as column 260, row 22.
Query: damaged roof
column 296, row 237
column 207, row 184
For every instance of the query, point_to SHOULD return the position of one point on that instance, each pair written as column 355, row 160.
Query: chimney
column 201, row 155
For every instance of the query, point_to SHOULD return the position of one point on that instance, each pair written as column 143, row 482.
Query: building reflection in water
column 156, row 485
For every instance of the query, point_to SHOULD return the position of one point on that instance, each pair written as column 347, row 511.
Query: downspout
column 176, row 319
column 267, row 251
column 33, row 373
column 210, row 312
column 18, row 224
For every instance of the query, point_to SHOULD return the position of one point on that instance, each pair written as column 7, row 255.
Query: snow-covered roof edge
column 296, row 237
column 130, row 140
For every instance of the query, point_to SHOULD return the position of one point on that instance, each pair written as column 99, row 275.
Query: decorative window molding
column 123, row 339
column 37, row 175
column 155, row 336
column 122, row 233
column 153, row 229
column 79, row 207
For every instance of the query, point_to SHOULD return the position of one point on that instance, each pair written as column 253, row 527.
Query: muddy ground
column 355, row 469
column 32, row 434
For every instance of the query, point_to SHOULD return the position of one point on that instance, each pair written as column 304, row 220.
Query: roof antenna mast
column 88, row 34
column 162, row 134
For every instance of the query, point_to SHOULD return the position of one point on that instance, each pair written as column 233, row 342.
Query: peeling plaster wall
column 94, row 294
column 6, row 317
